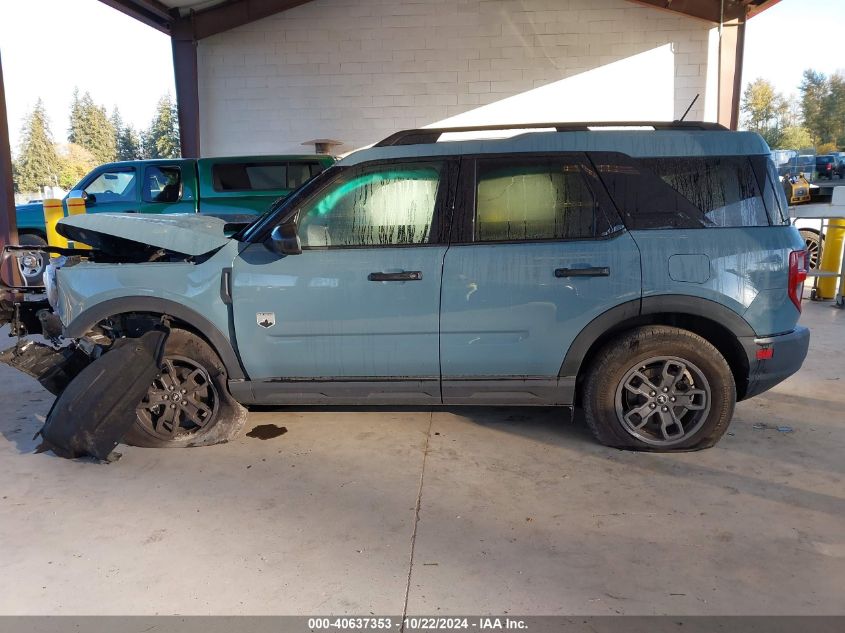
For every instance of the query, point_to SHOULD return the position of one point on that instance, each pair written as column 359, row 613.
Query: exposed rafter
column 151, row 12
column 711, row 10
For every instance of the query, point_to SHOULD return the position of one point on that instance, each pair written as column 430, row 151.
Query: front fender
column 88, row 293
column 155, row 305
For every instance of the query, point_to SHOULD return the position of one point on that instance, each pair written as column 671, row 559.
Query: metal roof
column 203, row 18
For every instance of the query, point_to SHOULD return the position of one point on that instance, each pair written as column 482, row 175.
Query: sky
column 48, row 47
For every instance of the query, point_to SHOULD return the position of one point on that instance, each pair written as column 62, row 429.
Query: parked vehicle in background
column 826, row 166
column 237, row 187
column 650, row 276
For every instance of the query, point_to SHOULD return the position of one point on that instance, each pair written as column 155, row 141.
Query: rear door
column 537, row 253
column 168, row 187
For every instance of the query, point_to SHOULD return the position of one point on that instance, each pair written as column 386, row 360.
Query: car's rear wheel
column 188, row 403
column 32, row 264
column 659, row 388
column 814, row 243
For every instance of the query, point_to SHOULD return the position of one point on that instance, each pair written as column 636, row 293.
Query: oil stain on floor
column 267, row 431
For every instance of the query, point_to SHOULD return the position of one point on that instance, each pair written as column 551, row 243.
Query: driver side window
column 383, row 205
column 113, row 186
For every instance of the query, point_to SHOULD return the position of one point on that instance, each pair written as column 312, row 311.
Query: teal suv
column 645, row 272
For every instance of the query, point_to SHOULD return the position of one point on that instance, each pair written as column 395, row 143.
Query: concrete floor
column 519, row 512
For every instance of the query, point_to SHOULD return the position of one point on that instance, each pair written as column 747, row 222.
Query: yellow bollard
column 53, row 212
column 76, row 206
column 831, row 258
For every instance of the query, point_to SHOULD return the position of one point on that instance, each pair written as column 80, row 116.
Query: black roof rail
column 431, row 135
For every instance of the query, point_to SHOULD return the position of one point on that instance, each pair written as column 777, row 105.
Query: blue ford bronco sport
column 645, row 272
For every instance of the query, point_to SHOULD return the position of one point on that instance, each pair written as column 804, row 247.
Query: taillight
column 797, row 276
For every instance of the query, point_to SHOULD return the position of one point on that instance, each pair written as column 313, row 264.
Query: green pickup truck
column 234, row 188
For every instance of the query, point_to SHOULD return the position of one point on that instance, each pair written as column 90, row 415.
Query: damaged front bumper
column 97, row 393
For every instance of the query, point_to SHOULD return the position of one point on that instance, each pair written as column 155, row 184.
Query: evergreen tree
column 834, row 108
column 128, row 145
column 161, row 140
column 37, row 164
column 91, row 128
column 814, row 92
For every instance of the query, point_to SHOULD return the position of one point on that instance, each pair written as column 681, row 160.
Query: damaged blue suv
column 646, row 272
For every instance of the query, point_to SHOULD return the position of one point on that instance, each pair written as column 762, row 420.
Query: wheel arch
column 194, row 321
column 716, row 323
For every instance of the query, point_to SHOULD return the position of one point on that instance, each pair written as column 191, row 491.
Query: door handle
column 593, row 271
column 131, row 211
column 409, row 275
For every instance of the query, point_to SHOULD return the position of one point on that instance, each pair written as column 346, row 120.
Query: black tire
column 814, row 243
column 620, row 362
column 222, row 417
column 35, row 278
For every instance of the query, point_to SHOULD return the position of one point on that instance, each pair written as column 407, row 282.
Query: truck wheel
column 813, row 242
column 659, row 388
column 32, row 264
column 189, row 403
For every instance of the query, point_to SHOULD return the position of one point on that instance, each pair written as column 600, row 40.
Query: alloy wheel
column 181, row 401
column 663, row 400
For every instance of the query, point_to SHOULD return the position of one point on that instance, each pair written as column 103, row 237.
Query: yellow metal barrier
column 76, row 206
column 831, row 258
column 53, row 212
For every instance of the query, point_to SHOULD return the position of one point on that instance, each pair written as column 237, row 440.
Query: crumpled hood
column 188, row 234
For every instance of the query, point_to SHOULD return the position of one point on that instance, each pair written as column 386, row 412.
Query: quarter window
column 381, row 206
column 723, row 189
column 535, row 199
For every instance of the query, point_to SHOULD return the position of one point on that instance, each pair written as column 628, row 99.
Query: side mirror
column 284, row 240
column 80, row 194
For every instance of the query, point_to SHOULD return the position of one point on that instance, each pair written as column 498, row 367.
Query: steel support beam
column 8, row 221
column 187, row 89
column 731, row 46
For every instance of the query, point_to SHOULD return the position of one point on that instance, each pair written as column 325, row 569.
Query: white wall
column 357, row 70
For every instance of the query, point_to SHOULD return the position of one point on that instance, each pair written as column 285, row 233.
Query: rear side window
column 263, row 176
column 535, row 199
column 162, row 184
column 685, row 192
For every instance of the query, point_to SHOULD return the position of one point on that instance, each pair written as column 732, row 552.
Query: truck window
column 162, row 184
column 263, row 176
column 116, row 185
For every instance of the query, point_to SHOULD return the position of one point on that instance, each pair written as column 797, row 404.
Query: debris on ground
column 761, row 426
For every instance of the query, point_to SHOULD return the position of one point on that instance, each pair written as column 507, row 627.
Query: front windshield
column 280, row 207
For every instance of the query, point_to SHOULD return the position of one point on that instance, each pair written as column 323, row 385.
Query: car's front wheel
column 188, row 403
column 659, row 388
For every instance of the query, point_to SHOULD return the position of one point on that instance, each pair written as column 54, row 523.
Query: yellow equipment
column 797, row 189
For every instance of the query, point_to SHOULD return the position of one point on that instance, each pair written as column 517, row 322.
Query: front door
column 354, row 317
column 538, row 252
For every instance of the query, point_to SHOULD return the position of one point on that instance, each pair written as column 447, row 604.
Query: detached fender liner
column 97, row 408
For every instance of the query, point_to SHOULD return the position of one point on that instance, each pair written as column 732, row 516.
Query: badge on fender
column 265, row 319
